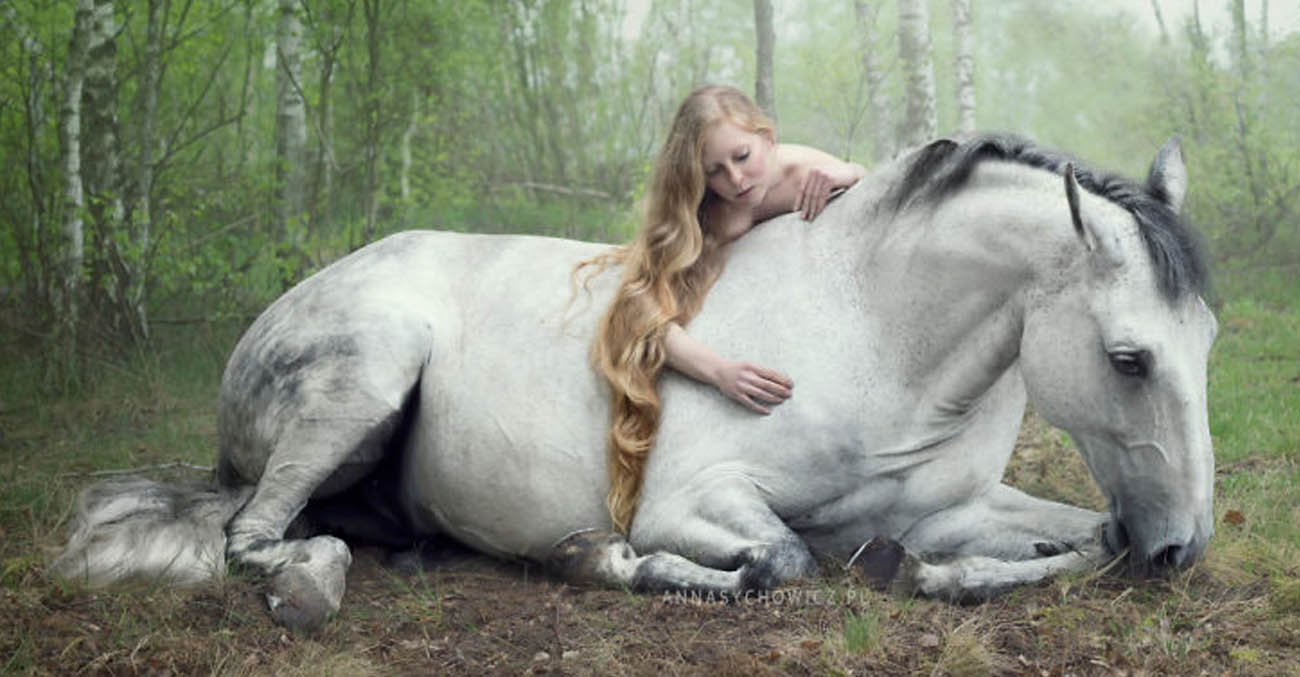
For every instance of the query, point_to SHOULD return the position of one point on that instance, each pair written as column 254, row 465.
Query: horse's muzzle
column 1167, row 554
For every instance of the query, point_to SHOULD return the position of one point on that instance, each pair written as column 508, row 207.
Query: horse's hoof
column 304, row 595
column 879, row 561
column 588, row 556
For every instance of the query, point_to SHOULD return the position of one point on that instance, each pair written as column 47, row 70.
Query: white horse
column 438, row 383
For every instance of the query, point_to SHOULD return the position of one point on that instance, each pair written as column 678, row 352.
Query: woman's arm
column 819, row 174
column 749, row 384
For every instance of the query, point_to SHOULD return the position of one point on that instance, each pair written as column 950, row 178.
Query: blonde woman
column 720, row 172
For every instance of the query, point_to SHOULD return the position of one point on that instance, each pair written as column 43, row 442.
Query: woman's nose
column 734, row 174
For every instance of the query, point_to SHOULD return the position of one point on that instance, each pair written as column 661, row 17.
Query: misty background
column 173, row 163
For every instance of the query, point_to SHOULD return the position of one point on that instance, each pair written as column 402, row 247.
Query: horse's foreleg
column 1004, row 539
column 1007, row 524
column 976, row 579
column 726, row 542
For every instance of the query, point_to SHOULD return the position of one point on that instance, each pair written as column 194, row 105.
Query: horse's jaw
column 1162, row 525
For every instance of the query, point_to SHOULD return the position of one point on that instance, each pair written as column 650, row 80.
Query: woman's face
column 735, row 163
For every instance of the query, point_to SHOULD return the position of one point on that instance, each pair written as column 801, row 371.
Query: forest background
column 182, row 161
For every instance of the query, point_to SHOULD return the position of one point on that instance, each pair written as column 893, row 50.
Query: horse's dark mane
column 943, row 167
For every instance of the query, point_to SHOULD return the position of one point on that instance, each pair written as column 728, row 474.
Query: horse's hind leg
column 307, row 431
column 306, row 576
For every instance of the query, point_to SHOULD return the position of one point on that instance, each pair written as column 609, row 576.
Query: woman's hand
column 813, row 194
column 753, row 386
column 757, row 388
column 820, row 174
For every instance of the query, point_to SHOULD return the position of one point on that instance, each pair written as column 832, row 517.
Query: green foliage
column 520, row 116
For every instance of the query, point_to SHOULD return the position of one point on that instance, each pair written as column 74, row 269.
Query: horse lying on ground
column 438, row 384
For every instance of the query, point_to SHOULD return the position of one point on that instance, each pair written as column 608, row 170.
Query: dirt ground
column 456, row 612
column 474, row 615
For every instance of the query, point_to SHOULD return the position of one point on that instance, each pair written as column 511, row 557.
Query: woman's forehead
column 723, row 137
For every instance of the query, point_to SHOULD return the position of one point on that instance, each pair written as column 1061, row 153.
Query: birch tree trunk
column 116, row 275
column 964, row 65
column 290, row 119
column 373, row 89
column 247, row 149
column 139, row 205
column 873, row 77
column 41, row 275
column 1240, row 39
column 407, row 135
column 323, row 166
column 764, row 94
column 1160, row 22
column 72, row 248
column 919, row 123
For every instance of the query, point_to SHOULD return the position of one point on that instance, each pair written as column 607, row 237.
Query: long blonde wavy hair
column 667, row 270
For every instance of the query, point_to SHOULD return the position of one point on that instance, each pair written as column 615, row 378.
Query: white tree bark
column 920, row 122
column 764, row 94
column 371, row 10
column 145, row 109
column 99, row 99
column 964, row 65
column 291, row 116
column 880, row 120
column 74, row 202
column 407, row 135
column 117, row 275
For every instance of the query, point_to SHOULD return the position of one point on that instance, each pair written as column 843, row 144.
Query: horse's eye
column 1135, row 363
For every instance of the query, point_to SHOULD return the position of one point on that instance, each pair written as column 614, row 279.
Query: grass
column 861, row 631
column 1236, row 611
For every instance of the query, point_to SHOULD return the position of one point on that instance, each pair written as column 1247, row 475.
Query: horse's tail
column 139, row 529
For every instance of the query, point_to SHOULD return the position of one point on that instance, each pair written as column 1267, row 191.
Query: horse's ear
column 1167, row 179
column 1072, row 197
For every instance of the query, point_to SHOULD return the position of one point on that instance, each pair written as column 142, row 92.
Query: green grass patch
column 861, row 631
column 1254, row 397
column 1254, row 386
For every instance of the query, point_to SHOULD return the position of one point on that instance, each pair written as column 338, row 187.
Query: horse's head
column 1114, row 351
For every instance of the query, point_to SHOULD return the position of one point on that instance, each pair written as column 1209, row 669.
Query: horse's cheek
column 1051, row 380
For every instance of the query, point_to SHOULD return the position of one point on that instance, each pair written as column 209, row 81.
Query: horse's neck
column 947, row 284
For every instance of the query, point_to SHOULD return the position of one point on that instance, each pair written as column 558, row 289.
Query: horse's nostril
column 1170, row 557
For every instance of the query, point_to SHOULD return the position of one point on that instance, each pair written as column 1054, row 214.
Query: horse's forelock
column 943, row 167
